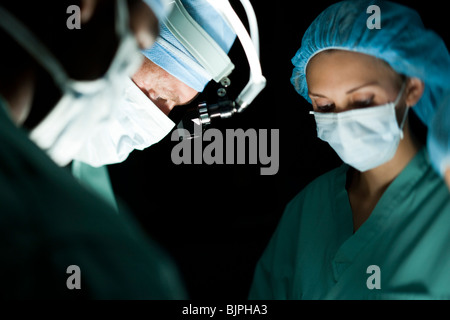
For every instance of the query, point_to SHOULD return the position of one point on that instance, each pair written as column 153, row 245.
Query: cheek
column 139, row 76
column 145, row 74
column 185, row 94
column 389, row 94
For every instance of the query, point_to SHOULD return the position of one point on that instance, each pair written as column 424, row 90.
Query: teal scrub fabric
column 314, row 253
column 48, row 222
column 96, row 179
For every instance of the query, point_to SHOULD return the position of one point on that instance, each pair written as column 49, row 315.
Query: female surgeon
column 377, row 227
column 439, row 139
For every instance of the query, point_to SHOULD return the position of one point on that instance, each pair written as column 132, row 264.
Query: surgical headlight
column 211, row 56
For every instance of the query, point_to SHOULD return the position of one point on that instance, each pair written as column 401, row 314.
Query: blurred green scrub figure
column 48, row 221
column 439, row 139
column 377, row 227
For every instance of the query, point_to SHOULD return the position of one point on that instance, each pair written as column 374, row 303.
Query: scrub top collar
column 355, row 242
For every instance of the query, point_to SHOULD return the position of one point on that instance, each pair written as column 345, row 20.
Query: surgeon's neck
column 374, row 182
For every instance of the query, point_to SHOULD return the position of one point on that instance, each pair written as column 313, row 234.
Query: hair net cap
column 168, row 53
column 159, row 7
column 402, row 41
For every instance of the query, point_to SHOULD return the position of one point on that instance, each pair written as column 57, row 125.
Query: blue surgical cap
column 168, row 53
column 403, row 42
column 439, row 137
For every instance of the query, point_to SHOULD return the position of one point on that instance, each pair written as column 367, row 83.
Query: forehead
column 340, row 61
column 165, row 84
column 341, row 65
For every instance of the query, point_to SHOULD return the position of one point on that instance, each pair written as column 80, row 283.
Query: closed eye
column 326, row 108
column 364, row 103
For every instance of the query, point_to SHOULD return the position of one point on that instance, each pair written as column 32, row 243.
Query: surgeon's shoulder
column 42, row 205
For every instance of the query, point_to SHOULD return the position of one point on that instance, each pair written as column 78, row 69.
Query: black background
column 215, row 220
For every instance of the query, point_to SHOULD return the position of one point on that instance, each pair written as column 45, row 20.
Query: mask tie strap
column 405, row 114
column 403, row 122
column 122, row 19
column 400, row 93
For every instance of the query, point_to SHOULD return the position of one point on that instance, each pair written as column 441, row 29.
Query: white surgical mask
column 84, row 105
column 363, row 138
column 136, row 124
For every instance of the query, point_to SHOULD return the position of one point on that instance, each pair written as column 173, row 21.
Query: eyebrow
column 349, row 91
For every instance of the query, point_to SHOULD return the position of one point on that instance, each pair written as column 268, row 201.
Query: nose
column 164, row 105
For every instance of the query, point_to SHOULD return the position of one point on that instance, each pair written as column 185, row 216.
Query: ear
column 414, row 91
column 87, row 9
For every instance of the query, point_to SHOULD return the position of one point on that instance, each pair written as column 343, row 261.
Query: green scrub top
column 314, row 253
column 96, row 179
column 49, row 221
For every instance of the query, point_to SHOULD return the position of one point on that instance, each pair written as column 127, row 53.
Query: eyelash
column 359, row 104
column 364, row 103
column 325, row 108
